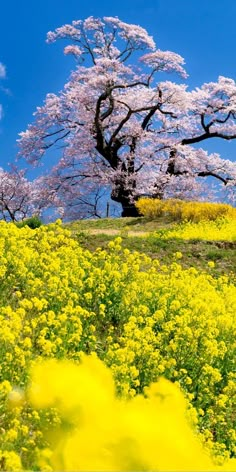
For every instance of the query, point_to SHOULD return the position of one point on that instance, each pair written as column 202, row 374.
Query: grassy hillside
column 142, row 234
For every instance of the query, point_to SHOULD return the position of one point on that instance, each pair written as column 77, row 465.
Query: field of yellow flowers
column 111, row 360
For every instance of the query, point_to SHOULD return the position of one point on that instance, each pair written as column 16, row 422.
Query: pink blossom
column 166, row 61
column 73, row 49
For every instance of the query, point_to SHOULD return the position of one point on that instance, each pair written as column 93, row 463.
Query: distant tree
column 21, row 198
column 17, row 196
column 121, row 128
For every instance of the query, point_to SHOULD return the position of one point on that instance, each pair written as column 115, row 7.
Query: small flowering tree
column 15, row 196
column 122, row 128
column 21, row 198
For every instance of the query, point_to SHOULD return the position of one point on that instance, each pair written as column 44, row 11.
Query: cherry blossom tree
column 120, row 127
column 16, row 196
column 21, row 198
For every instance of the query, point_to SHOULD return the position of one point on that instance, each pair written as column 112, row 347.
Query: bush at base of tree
column 180, row 210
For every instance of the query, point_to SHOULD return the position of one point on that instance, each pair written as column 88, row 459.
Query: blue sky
column 202, row 31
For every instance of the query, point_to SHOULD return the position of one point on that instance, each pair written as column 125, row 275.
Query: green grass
column 129, row 224
column 196, row 253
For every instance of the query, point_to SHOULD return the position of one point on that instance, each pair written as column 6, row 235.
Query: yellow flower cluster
column 143, row 319
column 102, row 432
column 181, row 325
column 184, row 211
column 218, row 230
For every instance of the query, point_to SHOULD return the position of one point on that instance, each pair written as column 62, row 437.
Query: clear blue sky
column 202, row 31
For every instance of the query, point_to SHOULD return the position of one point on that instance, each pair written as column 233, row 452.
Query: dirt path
column 114, row 232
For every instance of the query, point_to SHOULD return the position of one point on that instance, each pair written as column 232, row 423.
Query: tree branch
column 202, row 137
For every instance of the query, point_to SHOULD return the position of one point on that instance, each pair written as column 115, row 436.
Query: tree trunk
column 130, row 211
column 124, row 196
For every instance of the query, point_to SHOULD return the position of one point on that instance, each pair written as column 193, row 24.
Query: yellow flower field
column 218, row 230
column 145, row 321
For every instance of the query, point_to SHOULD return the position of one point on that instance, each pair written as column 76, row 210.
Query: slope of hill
column 151, row 237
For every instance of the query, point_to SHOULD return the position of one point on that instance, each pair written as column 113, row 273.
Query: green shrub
column 33, row 222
